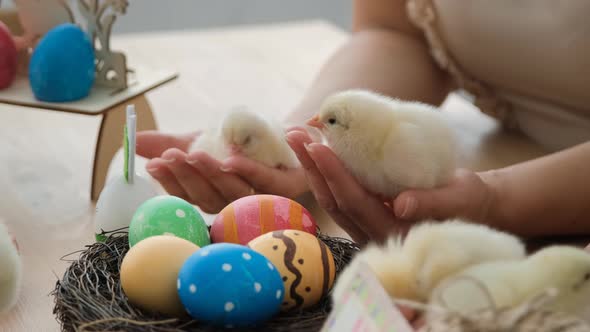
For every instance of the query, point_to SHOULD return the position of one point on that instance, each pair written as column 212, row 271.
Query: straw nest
column 89, row 296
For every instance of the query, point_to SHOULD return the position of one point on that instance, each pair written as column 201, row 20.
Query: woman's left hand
column 361, row 214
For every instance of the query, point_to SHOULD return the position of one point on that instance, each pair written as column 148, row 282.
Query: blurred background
column 150, row 15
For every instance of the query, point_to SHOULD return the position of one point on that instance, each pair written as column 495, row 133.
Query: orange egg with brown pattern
column 305, row 262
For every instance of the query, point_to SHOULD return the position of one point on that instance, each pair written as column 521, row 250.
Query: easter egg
column 149, row 272
column 61, row 68
column 8, row 57
column 230, row 285
column 168, row 215
column 251, row 216
column 306, row 265
column 118, row 201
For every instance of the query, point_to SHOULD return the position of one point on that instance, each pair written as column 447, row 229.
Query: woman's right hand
column 209, row 183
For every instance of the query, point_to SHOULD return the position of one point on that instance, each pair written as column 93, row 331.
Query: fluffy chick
column 432, row 251
column 249, row 134
column 511, row 283
column 10, row 270
column 389, row 145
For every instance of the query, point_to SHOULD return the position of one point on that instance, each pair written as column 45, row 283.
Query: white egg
column 119, row 200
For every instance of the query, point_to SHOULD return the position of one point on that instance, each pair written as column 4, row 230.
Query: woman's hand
column 208, row 183
column 469, row 195
column 362, row 215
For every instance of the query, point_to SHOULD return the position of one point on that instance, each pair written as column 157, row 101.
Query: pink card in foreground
column 365, row 307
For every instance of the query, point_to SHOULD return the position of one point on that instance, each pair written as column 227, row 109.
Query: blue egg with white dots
column 230, row 285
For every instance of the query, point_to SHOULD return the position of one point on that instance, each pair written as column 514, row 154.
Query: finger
column 408, row 313
column 414, row 204
column 229, row 185
column 284, row 182
column 351, row 197
column 310, row 132
column 320, row 188
column 158, row 169
column 151, row 143
column 194, row 184
column 419, row 322
column 296, row 128
column 257, row 173
column 297, row 142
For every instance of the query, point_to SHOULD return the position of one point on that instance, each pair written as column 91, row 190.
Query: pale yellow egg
column 149, row 273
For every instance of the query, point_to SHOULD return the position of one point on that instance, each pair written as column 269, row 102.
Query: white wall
column 146, row 15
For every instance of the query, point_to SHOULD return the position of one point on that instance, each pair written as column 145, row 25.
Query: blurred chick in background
column 510, row 283
column 432, row 251
column 249, row 134
column 10, row 270
column 388, row 145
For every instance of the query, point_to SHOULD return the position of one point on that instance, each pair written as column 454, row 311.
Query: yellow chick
column 432, row 251
column 249, row 134
column 511, row 283
column 389, row 145
column 10, row 270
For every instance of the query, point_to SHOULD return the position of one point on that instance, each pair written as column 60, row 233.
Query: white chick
column 511, row 283
column 389, row 145
column 390, row 265
column 248, row 134
column 10, row 270
column 432, row 251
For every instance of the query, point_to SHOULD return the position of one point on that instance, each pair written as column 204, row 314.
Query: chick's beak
column 315, row 122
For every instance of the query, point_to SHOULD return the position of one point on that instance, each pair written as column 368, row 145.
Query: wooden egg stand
column 111, row 93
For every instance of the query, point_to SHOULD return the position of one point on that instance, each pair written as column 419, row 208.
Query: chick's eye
column 587, row 276
column 331, row 121
column 247, row 140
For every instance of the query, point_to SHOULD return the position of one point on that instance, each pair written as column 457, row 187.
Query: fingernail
column 289, row 138
column 225, row 169
column 152, row 170
column 410, row 207
column 192, row 161
column 169, row 161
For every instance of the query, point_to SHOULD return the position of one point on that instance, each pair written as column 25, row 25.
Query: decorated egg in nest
column 8, row 57
column 305, row 262
column 149, row 273
column 168, row 215
column 230, row 285
column 251, row 216
column 118, row 201
column 62, row 65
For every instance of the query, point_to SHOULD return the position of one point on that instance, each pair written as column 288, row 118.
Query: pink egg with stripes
column 251, row 216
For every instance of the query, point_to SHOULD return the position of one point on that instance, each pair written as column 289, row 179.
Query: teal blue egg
column 230, row 285
column 62, row 65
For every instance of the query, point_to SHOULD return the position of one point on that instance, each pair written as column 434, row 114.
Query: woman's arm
column 385, row 53
column 546, row 196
